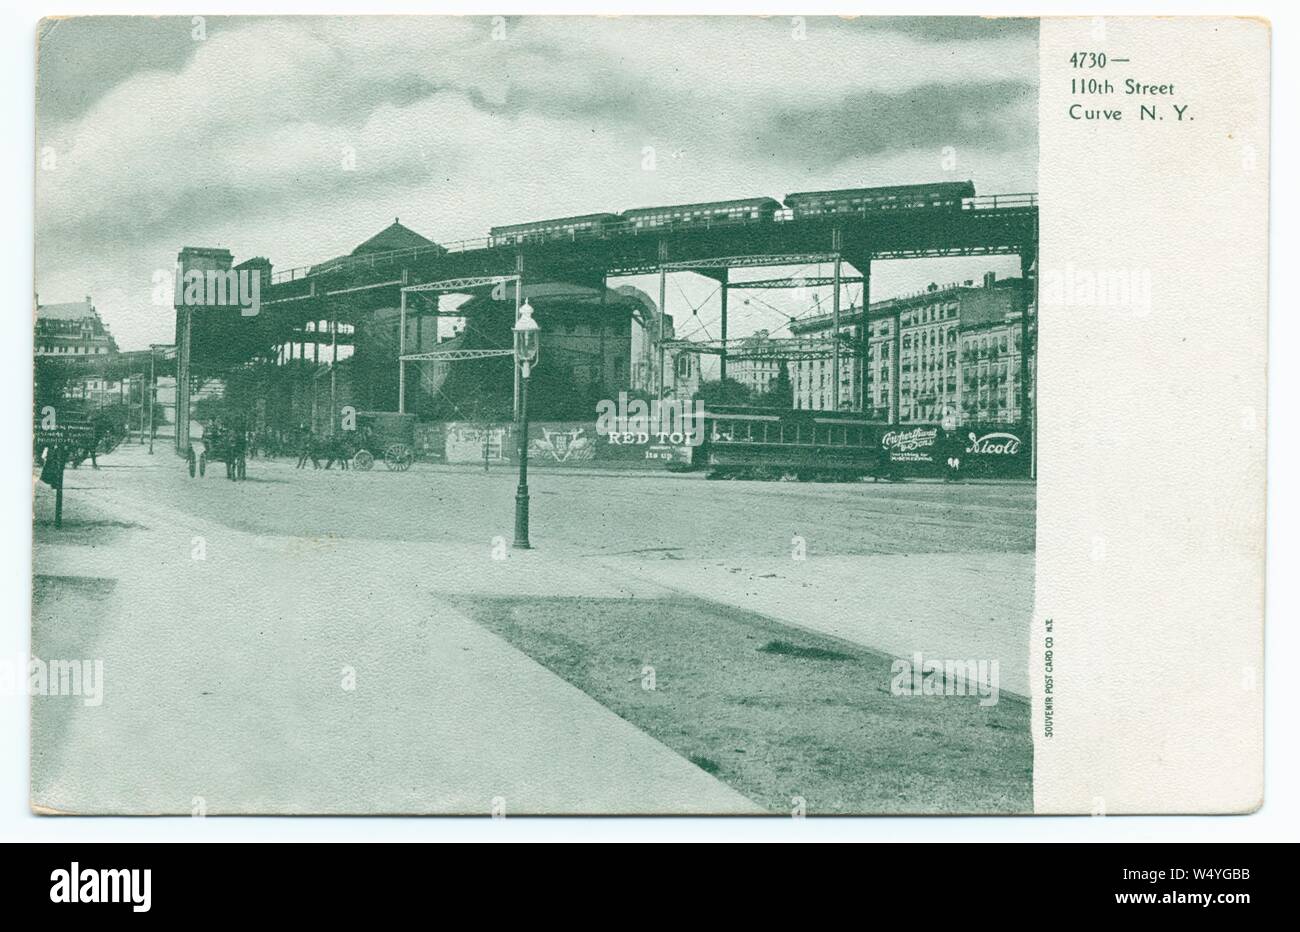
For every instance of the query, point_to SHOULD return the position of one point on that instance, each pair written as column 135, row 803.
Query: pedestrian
column 954, row 448
column 304, row 448
column 238, row 453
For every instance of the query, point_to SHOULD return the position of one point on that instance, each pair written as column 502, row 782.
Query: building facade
column 71, row 330
column 682, row 374
column 959, row 355
column 812, row 379
column 758, row 374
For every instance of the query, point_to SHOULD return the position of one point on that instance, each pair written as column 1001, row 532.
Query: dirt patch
column 779, row 714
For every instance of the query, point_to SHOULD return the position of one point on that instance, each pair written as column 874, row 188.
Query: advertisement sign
column 561, row 444
column 551, row 443
column 477, row 443
column 913, row 445
column 993, row 450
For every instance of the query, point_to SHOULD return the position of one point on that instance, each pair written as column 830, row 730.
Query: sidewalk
column 247, row 649
column 222, row 685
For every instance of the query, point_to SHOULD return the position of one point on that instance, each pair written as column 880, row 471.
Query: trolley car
column 747, row 442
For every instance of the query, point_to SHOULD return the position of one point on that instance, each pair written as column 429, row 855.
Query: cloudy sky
column 297, row 138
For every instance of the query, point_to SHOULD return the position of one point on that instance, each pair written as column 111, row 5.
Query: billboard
column 550, row 443
column 979, row 450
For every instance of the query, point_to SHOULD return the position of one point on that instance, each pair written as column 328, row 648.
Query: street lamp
column 526, row 339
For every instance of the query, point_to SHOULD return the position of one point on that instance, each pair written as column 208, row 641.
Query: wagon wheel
column 398, row 457
column 203, row 463
column 364, row 460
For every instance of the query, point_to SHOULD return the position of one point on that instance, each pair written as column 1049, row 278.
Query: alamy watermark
column 633, row 421
column 78, row 884
column 917, row 676
column 241, row 288
column 1121, row 289
column 37, row 677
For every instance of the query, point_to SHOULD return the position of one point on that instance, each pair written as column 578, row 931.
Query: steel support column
column 334, row 366
column 1026, row 262
column 605, row 381
column 726, row 275
column 153, row 391
column 1028, row 407
column 401, row 352
column 864, row 338
column 183, row 383
column 835, row 333
column 663, row 313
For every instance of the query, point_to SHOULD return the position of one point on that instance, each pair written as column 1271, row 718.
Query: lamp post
column 526, row 338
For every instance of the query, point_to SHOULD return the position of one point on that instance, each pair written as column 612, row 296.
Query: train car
column 747, row 210
column 946, row 195
column 571, row 228
column 775, row 443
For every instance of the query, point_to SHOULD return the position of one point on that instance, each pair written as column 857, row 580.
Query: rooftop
column 391, row 238
column 879, row 308
column 73, row 310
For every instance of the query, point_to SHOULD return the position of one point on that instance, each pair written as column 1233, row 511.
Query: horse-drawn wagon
column 384, row 435
column 224, row 445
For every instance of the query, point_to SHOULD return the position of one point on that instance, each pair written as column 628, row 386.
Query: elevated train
column 799, row 206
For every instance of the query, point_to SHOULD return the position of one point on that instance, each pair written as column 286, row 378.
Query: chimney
column 990, row 278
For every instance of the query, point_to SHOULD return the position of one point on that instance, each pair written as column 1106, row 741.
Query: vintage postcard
column 634, row 415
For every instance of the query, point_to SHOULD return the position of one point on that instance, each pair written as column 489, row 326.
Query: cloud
column 989, row 116
column 953, row 28
column 297, row 138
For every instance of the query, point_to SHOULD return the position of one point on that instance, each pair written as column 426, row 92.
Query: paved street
column 387, row 628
